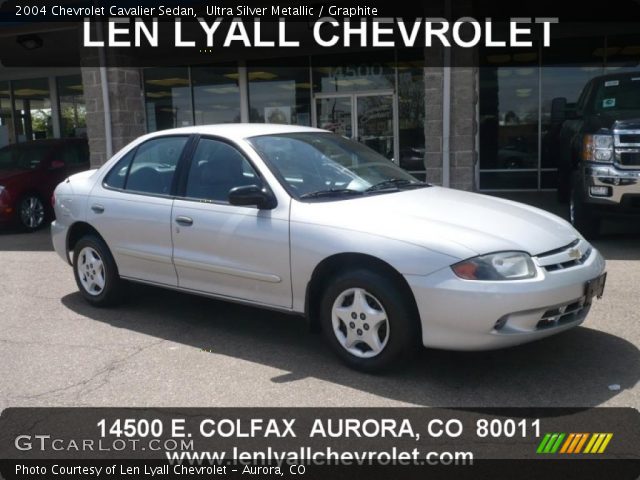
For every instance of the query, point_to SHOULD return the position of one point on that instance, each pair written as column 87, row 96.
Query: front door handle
column 184, row 221
column 97, row 208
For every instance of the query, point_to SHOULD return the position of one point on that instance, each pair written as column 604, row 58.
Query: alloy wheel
column 91, row 272
column 360, row 323
column 32, row 212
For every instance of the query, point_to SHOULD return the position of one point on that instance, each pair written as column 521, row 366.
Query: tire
column 386, row 314
column 31, row 212
column 581, row 215
column 96, row 272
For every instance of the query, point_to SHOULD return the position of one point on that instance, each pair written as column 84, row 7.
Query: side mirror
column 56, row 165
column 558, row 110
column 252, row 195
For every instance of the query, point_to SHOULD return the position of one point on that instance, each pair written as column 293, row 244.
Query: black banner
column 320, row 443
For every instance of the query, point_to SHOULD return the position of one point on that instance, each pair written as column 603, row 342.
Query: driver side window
column 215, row 169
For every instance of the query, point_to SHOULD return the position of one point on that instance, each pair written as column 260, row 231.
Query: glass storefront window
column 32, row 114
column 354, row 73
column 567, row 67
column 7, row 130
column 280, row 94
column 509, row 99
column 167, row 98
column 411, row 110
column 216, row 94
column 73, row 112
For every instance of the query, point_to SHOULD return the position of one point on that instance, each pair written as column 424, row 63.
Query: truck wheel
column 581, row 215
column 368, row 320
column 96, row 272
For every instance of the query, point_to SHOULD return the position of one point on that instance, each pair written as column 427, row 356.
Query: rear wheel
column 581, row 214
column 31, row 212
column 368, row 320
column 96, row 273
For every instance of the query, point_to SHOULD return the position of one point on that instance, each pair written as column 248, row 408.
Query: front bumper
column 460, row 314
column 623, row 188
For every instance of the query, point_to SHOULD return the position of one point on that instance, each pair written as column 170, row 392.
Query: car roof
column 238, row 130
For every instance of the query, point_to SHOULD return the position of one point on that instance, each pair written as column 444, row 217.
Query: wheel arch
column 76, row 232
column 334, row 264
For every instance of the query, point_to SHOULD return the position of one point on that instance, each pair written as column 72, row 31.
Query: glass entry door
column 369, row 118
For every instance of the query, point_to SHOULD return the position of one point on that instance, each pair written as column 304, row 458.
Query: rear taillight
column 53, row 199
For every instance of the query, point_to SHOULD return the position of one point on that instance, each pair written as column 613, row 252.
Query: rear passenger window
column 149, row 168
column 117, row 177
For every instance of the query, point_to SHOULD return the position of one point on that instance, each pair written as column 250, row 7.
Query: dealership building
column 468, row 119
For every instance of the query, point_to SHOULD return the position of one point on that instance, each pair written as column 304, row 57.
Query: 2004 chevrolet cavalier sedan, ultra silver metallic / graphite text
column 305, row 221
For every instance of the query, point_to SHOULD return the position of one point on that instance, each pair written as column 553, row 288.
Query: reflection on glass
column 73, row 111
column 334, row 114
column 168, row 98
column 375, row 123
column 363, row 72
column 279, row 95
column 568, row 65
column 32, row 109
column 509, row 120
column 411, row 109
column 7, row 130
column 216, row 94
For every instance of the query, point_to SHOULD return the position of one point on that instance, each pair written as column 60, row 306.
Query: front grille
column 565, row 257
column 630, row 138
column 561, row 315
column 629, row 159
column 568, row 264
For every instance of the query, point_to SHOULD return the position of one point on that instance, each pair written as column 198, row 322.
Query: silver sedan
column 301, row 220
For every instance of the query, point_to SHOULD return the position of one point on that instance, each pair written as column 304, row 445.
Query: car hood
column 453, row 222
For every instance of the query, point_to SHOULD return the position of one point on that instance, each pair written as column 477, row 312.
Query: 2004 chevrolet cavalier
column 305, row 221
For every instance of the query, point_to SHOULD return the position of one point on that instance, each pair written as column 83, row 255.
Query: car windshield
column 618, row 94
column 22, row 158
column 316, row 165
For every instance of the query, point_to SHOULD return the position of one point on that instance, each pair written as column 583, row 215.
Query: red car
column 29, row 172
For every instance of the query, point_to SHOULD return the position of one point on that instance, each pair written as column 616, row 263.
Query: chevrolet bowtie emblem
column 575, row 253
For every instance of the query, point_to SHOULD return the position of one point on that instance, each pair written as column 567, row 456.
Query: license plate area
column 594, row 288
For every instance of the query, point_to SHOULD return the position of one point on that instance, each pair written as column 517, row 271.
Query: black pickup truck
column 597, row 145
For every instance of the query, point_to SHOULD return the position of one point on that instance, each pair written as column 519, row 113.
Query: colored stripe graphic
column 598, row 443
column 573, row 443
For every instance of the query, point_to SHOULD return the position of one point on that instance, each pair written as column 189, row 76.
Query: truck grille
column 629, row 138
column 627, row 148
column 629, row 159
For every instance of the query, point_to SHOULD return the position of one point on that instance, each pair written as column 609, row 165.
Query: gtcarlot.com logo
column 574, row 443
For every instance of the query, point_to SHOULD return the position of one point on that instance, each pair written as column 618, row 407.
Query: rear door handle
column 184, row 221
column 97, row 208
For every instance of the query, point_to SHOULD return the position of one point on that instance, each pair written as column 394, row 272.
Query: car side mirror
column 558, row 110
column 252, row 195
column 56, row 165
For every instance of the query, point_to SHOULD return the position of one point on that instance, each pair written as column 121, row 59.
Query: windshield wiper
column 331, row 192
column 396, row 183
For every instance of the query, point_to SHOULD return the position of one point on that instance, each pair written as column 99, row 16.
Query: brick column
column 126, row 101
column 463, row 146
column 462, row 119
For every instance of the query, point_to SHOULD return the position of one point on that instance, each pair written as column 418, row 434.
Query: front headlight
column 597, row 148
column 496, row 266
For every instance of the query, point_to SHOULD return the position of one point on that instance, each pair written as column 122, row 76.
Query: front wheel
column 368, row 320
column 96, row 272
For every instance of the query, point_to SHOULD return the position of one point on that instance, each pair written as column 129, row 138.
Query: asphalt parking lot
column 171, row 349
